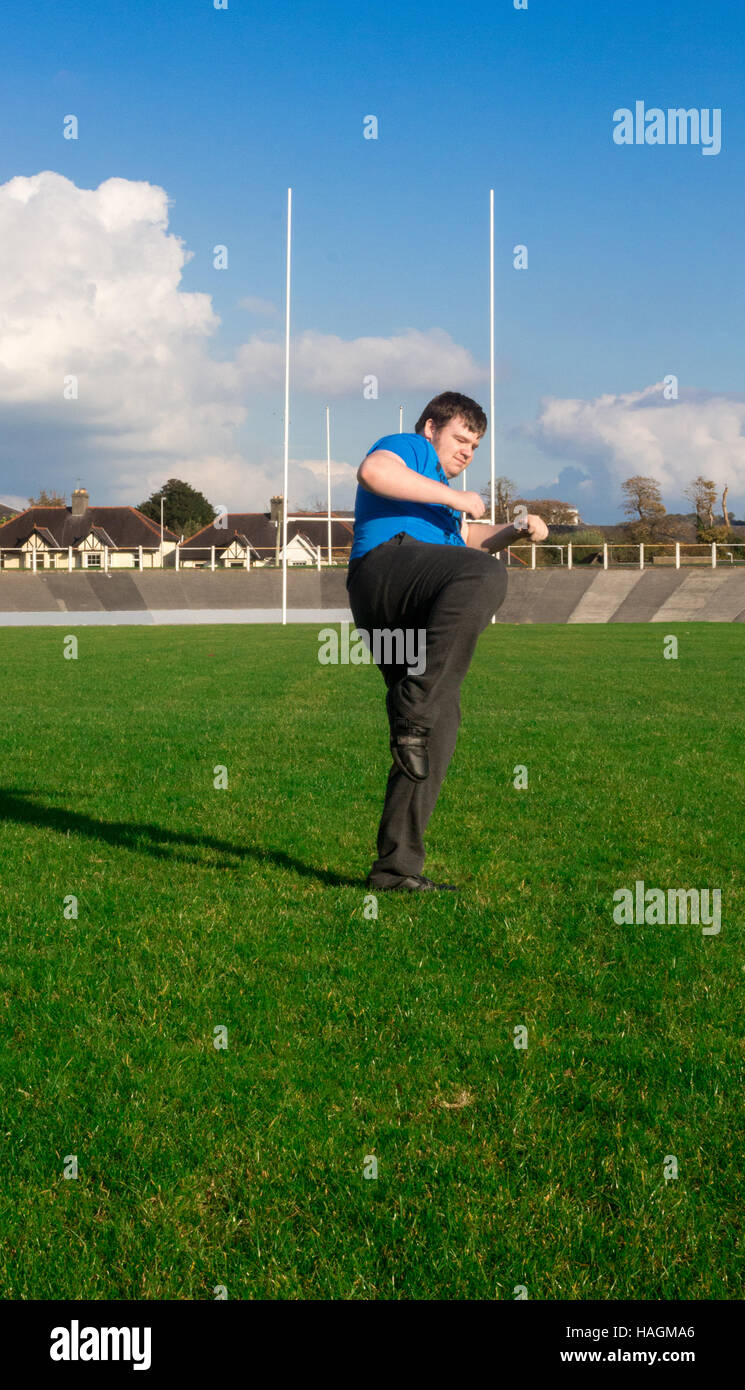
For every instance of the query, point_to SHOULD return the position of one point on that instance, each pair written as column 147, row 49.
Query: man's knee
column 491, row 574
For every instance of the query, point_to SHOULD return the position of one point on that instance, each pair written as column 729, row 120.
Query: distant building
column 94, row 538
column 551, row 510
column 260, row 534
column 82, row 537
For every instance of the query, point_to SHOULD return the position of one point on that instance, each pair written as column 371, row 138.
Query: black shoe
column 415, row 883
column 409, row 749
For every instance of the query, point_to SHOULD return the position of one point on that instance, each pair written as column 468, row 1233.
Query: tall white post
column 492, row 450
column 287, row 405
column 569, row 555
column 328, row 481
column 161, row 531
column 641, row 556
column 713, row 555
column 492, row 512
column 605, row 555
column 400, row 419
column 677, row 555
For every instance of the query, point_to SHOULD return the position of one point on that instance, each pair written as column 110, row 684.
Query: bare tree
column 725, row 513
column 307, row 508
column 703, row 494
column 504, row 497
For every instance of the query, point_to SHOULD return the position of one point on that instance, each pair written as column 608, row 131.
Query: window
column 94, row 560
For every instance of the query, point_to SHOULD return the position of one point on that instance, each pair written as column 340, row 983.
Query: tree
column 643, row 505
column 551, row 511
column 725, row 513
column 48, row 499
column 184, row 509
column 504, row 497
column 703, row 494
column 318, row 504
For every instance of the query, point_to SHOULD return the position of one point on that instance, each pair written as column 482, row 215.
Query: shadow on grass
column 18, row 806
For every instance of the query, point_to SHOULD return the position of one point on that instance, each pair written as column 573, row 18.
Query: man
column 417, row 564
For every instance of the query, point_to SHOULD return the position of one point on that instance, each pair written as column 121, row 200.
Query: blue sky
column 634, row 260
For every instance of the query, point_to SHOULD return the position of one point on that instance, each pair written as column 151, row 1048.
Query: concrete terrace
column 533, row 596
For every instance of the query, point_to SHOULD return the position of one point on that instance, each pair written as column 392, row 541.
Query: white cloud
column 90, row 286
column 256, row 305
column 340, row 472
column 641, row 432
column 323, row 364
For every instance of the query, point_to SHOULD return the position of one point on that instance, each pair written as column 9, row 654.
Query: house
column 551, row 510
column 259, row 534
column 82, row 537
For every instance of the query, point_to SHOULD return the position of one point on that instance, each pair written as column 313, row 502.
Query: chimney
column 80, row 500
column 275, row 508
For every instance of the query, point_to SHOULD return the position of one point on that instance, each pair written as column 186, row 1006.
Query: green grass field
column 349, row 1036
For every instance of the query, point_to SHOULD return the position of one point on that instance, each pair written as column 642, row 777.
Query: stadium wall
column 533, row 596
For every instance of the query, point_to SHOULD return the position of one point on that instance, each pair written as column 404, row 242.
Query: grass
column 349, row 1036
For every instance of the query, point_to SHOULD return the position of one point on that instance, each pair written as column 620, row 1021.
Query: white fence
column 40, row 560
column 677, row 554
column 680, row 554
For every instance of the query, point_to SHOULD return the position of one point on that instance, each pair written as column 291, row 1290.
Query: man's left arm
column 496, row 538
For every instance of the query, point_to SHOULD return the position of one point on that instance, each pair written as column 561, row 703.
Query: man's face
column 455, row 444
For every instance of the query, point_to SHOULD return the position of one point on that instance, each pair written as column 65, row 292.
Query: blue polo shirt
column 378, row 519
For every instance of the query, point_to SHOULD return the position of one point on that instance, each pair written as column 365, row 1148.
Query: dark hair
column 446, row 406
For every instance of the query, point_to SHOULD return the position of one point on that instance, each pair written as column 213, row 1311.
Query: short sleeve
column 411, row 448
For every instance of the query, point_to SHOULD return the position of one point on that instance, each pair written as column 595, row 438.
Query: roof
column 261, row 532
column 342, row 516
column 46, row 536
column 241, row 538
column 102, row 534
column 302, row 540
column 118, row 527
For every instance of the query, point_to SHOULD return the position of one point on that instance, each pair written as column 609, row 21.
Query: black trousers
column 451, row 592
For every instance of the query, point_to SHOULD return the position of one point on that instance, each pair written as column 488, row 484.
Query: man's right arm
column 386, row 475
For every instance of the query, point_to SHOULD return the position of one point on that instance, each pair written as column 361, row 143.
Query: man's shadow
column 144, row 837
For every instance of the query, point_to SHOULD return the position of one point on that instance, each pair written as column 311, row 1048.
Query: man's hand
column 470, row 503
column 535, row 528
column 492, row 539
